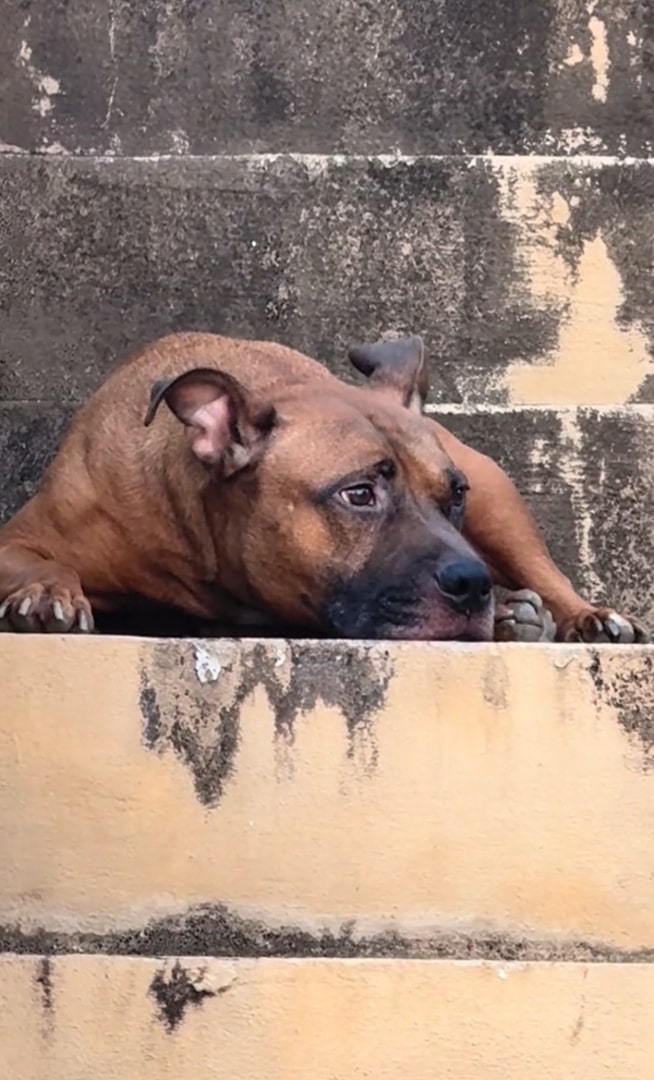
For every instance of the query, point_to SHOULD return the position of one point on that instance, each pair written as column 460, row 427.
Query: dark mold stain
column 214, row 930
column 349, row 679
column 43, row 979
column 628, row 690
column 420, row 179
column 617, row 481
column 494, row 314
column 203, row 732
column 175, row 992
column 613, row 202
column 465, row 88
column 202, row 722
column 212, row 764
column 443, row 78
column 151, row 713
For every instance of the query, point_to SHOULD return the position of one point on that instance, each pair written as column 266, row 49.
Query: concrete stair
column 269, row 859
column 234, row 861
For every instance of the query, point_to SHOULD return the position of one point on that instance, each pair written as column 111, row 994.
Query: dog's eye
column 458, row 494
column 359, row 495
column 457, row 499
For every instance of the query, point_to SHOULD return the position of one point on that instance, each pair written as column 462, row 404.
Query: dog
column 269, row 494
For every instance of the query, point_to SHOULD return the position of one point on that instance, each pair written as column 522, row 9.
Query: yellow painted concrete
column 597, row 360
column 328, row 1020
column 496, row 786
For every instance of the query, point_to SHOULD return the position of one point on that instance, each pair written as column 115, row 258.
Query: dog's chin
column 444, row 624
column 391, row 617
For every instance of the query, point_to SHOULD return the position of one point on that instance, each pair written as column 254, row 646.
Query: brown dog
column 269, row 492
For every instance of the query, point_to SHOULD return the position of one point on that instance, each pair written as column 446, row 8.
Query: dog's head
column 335, row 506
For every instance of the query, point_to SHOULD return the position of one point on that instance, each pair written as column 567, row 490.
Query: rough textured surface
column 295, row 678
column 587, row 475
column 29, row 437
column 530, row 282
column 481, row 810
column 215, row 930
column 182, row 1019
column 436, row 76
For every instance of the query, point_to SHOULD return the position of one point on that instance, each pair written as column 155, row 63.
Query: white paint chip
column 575, row 56
column 281, row 656
column 207, row 666
column 599, row 57
column 46, row 86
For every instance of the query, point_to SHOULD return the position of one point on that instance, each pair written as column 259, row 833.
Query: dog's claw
column 34, row 609
column 619, row 629
column 606, row 627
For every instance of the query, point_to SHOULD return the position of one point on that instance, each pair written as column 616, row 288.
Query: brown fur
column 127, row 515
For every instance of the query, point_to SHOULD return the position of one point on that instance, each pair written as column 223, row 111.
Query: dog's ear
column 396, row 367
column 226, row 426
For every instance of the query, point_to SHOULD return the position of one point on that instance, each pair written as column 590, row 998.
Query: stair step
column 530, row 278
column 416, row 77
column 327, row 799
column 285, row 1020
column 586, row 473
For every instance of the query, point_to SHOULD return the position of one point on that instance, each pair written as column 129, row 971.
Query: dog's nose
column 465, row 583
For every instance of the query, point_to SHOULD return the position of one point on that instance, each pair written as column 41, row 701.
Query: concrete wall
column 249, row 862
column 120, row 1019
column 429, row 76
column 442, row 857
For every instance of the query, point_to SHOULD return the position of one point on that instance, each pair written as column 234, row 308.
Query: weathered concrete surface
column 530, row 280
column 113, row 1019
column 29, row 437
column 436, row 76
column 208, row 797
column 587, row 474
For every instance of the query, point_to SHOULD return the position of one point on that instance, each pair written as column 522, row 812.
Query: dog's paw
column 522, row 616
column 39, row 609
column 603, row 626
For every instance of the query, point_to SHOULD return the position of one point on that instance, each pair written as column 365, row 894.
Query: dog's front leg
column 39, row 594
column 499, row 524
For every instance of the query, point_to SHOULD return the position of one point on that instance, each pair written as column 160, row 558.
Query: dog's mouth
column 444, row 625
column 396, row 611
column 398, row 615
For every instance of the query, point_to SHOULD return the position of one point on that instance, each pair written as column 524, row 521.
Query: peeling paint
column 571, row 465
column 574, row 57
column 111, row 32
column 599, row 57
column 202, row 724
column 207, row 666
column 593, row 156
column 47, row 86
column 597, row 360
